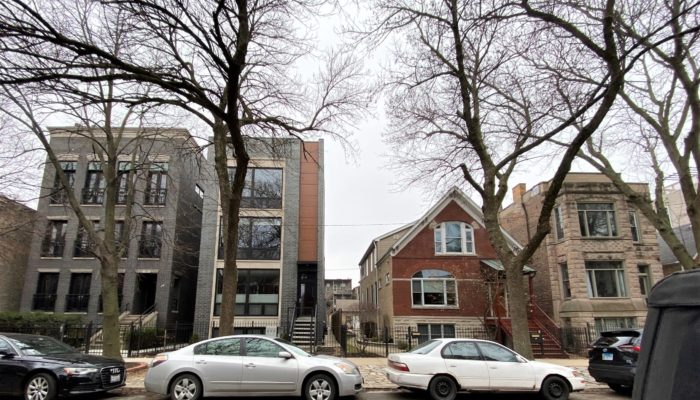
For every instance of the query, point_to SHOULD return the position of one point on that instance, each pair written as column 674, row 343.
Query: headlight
column 347, row 368
column 79, row 371
column 158, row 359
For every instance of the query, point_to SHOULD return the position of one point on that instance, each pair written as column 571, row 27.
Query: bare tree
column 230, row 63
column 479, row 88
column 659, row 120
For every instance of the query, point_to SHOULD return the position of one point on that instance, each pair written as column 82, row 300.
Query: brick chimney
column 518, row 192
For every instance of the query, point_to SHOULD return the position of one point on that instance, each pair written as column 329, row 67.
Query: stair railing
column 291, row 318
column 546, row 323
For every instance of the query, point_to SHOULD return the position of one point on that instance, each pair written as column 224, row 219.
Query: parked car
column 251, row 365
column 612, row 358
column 41, row 368
column 444, row 367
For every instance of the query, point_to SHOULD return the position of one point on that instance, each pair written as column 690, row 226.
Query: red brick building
column 436, row 275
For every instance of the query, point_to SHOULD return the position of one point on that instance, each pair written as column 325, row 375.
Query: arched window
column 433, row 287
column 454, row 238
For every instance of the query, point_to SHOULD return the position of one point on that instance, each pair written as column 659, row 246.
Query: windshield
column 293, row 348
column 40, row 345
column 425, row 347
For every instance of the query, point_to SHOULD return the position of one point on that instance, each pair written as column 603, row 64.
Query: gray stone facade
column 284, row 154
column 575, row 302
column 166, row 282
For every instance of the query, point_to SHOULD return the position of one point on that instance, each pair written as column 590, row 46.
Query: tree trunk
column 110, row 308
column 518, row 308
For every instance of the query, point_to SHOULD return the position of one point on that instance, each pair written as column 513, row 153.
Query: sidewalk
column 372, row 370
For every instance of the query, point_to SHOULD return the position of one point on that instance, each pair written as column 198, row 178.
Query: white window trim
column 612, row 225
column 633, row 215
column 463, row 226
column 623, row 291
column 444, row 293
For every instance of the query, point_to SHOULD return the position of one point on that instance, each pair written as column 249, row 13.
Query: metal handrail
column 146, row 312
column 546, row 323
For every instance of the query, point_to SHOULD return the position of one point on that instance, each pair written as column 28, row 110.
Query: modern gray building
column 158, row 271
column 280, row 249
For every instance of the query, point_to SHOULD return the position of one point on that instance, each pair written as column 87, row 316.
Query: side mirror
column 284, row 354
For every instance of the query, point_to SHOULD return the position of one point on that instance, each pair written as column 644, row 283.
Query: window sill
column 154, row 205
column 147, row 259
column 435, row 307
column 51, row 258
column 610, row 298
column 601, row 237
column 83, row 258
column 454, row 254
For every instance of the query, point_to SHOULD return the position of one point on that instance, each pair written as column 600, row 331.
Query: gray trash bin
column 669, row 360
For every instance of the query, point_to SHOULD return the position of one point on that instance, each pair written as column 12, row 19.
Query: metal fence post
column 386, row 341
column 344, row 340
column 88, row 334
column 131, row 339
column 410, row 345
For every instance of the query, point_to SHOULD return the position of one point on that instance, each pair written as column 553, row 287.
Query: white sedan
column 445, row 366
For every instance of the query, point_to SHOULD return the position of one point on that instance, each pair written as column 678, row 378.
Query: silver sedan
column 250, row 365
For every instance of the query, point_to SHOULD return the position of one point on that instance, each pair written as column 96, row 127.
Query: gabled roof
column 456, row 195
column 685, row 235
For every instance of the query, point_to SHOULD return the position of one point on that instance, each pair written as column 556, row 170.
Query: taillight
column 629, row 347
column 159, row 359
column 399, row 366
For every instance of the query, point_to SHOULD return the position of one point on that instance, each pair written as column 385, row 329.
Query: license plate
column 607, row 356
column 115, row 378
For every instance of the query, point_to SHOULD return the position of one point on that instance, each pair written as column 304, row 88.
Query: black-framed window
column 565, row 283
column 151, row 239
column 558, row 223
column 58, row 193
column 634, row 225
column 257, row 292
column 78, row 296
column 45, row 295
column 597, row 219
column 433, row 288
column 263, row 187
column 644, row 279
column 605, row 279
column 435, row 331
column 93, row 192
column 54, row 239
column 123, row 170
column 84, row 245
column 157, row 183
column 258, row 238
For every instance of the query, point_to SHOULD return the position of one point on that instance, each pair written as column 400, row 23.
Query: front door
column 306, row 291
column 145, row 296
column 265, row 371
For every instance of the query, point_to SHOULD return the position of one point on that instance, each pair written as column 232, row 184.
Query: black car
column 613, row 358
column 40, row 368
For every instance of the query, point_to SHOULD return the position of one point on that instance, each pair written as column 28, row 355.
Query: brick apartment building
column 16, row 230
column 434, row 275
column 159, row 267
column 280, row 250
column 599, row 260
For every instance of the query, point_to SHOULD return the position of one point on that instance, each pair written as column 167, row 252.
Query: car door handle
column 200, row 362
column 250, row 365
column 453, row 366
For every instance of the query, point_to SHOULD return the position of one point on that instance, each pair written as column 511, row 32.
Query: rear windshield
column 608, row 340
column 425, row 347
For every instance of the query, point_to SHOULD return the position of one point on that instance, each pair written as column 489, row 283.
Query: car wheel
column 442, row 388
column 41, row 386
column 622, row 389
column 555, row 388
column 186, row 387
column 320, row 387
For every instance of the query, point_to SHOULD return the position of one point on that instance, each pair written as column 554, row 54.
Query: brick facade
column 16, row 230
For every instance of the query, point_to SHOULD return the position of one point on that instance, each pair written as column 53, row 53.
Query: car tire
column 186, row 387
column 555, row 388
column 622, row 389
column 41, row 386
column 320, row 387
column 442, row 388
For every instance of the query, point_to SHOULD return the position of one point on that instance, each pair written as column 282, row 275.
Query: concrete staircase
column 304, row 331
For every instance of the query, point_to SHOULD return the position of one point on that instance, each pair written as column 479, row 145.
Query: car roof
column 15, row 335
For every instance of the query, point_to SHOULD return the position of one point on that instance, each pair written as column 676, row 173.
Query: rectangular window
column 386, row 279
column 614, row 323
column 605, row 279
column 259, row 238
column 151, row 239
column 257, row 292
column 597, row 219
column 634, row 227
column 263, row 187
column 435, row 331
column 156, row 185
column 58, row 194
column 78, row 295
column 644, row 280
column 558, row 224
column 54, row 239
column 84, row 245
column 45, row 295
column 565, row 284
column 434, row 292
column 94, row 190
column 123, row 170
column 454, row 238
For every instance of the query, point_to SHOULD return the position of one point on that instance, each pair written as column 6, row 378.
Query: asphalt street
column 138, row 394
